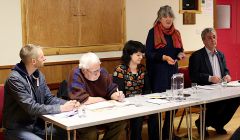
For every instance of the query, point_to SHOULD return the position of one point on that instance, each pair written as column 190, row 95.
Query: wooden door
column 74, row 26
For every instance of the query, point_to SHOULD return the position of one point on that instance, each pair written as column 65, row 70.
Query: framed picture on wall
column 190, row 6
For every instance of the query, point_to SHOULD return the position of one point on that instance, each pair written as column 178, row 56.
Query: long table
column 142, row 108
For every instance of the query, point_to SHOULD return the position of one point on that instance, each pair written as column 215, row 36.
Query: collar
column 210, row 52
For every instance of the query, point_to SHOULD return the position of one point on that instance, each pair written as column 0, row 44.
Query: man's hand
column 69, row 106
column 227, row 78
column 118, row 96
column 169, row 60
column 215, row 79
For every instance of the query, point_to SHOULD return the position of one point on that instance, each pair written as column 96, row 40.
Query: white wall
column 140, row 15
column 10, row 31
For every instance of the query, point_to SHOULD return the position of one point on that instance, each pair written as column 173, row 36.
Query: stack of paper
column 233, row 84
column 157, row 101
column 107, row 104
column 66, row 114
column 205, row 87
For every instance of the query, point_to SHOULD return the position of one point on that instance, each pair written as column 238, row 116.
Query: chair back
column 1, row 102
column 187, row 80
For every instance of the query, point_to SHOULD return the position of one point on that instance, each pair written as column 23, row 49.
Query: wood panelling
column 81, row 49
column 185, row 61
column 74, row 26
column 55, row 72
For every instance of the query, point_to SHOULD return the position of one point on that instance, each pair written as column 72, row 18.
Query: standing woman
column 164, row 48
column 131, row 78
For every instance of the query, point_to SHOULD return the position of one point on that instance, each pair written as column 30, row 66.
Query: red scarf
column 159, row 39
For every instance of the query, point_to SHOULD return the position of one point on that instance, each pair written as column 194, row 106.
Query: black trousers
column 218, row 114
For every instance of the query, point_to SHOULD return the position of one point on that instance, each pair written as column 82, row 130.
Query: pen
column 118, row 92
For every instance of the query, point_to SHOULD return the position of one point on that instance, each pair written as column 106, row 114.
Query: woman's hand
column 181, row 55
column 169, row 60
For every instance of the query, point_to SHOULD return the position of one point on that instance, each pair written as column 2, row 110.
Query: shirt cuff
column 209, row 78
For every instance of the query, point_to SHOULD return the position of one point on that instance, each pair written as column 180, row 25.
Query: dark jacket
column 200, row 67
column 26, row 98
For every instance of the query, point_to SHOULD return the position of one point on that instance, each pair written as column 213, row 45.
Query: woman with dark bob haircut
column 132, row 79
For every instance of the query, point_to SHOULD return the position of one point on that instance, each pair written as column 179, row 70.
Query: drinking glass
column 224, row 82
column 82, row 111
column 194, row 88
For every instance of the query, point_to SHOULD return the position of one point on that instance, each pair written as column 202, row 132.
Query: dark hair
column 130, row 48
column 207, row 30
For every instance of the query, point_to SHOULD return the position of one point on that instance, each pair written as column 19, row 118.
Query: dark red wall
column 229, row 39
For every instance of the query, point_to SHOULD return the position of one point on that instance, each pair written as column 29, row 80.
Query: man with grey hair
column 26, row 97
column 208, row 66
column 89, row 83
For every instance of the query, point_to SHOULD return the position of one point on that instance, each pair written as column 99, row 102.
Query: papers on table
column 155, row 96
column 157, row 101
column 107, row 104
column 66, row 114
column 104, row 104
column 205, row 87
column 233, row 84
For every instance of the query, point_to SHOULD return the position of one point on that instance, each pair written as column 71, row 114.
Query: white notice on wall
column 207, row 7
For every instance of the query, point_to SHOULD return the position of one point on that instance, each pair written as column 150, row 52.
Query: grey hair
column 164, row 11
column 88, row 59
column 28, row 52
column 207, row 30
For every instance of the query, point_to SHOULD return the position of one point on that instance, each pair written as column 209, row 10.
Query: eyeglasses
column 95, row 72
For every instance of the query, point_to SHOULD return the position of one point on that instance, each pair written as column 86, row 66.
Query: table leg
column 160, row 125
column 190, row 113
column 189, row 122
column 69, row 134
column 172, row 116
column 201, row 127
column 46, row 133
column 188, row 130
column 74, row 134
column 204, row 115
column 202, row 121
column 51, row 130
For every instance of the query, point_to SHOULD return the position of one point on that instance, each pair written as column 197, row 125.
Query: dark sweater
column 81, row 88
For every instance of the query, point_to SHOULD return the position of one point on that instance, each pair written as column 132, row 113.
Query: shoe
column 197, row 123
column 174, row 138
column 221, row 131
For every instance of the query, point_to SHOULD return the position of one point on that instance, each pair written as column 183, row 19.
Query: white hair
column 87, row 60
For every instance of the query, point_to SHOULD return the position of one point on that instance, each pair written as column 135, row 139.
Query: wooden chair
column 1, row 108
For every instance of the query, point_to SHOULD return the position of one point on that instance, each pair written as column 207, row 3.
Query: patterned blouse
column 128, row 82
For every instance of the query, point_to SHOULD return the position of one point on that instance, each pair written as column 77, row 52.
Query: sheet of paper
column 233, row 84
column 155, row 97
column 205, row 87
column 108, row 104
column 66, row 114
column 157, row 101
column 99, row 105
